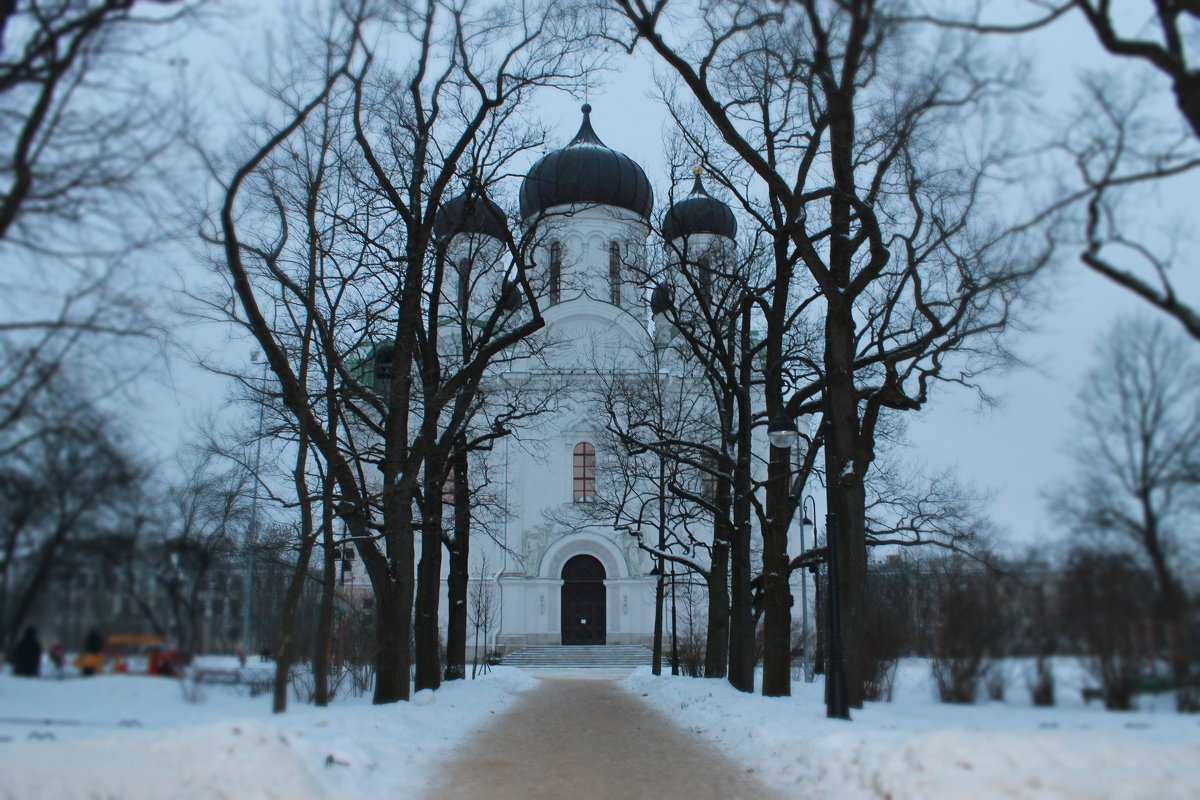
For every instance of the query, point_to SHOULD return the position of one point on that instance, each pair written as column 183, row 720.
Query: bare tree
column 1105, row 606
column 869, row 211
column 1134, row 491
column 409, row 139
column 678, row 474
column 1116, row 144
column 84, row 130
column 81, row 122
column 908, row 508
column 183, row 537
column 483, row 609
column 971, row 622
column 64, row 478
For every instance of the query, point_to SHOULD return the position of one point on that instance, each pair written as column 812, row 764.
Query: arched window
column 585, row 473
column 555, row 272
column 708, row 480
column 614, row 271
column 383, row 369
column 705, row 275
column 464, row 283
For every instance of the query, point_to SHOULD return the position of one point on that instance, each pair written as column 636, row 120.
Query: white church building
column 588, row 208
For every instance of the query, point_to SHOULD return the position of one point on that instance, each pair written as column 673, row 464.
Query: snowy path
column 587, row 737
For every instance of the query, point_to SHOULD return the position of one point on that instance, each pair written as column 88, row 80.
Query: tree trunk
column 323, row 652
column 821, row 625
column 657, row 649
column 429, row 580
column 393, row 645
column 716, row 644
column 777, row 611
column 285, row 649
column 458, row 583
column 741, row 608
column 848, row 495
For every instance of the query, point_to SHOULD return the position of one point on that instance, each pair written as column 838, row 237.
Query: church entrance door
column 583, row 603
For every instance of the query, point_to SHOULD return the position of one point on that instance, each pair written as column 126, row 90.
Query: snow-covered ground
column 915, row 747
column 116, row 736
column 138, row 737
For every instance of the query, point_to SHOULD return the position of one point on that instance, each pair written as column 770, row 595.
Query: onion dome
column 470, row 212
column 661, row 299
column 585, row 171
column 700, row 212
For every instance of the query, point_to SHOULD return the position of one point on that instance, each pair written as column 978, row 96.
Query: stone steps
column 579, row 657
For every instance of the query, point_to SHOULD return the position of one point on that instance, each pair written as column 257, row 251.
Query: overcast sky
column 1014, row 451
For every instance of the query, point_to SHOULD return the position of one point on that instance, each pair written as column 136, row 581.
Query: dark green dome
column 699, row 213
column 586, row 172
column 470, row 212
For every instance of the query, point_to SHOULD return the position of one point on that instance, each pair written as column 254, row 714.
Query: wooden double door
column 583, row 601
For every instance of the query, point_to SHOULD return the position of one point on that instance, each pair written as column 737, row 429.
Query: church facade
column 561, row 575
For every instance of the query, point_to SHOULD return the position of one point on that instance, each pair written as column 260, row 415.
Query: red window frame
column 583, row 482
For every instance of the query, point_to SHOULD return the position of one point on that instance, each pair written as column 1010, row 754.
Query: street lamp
column 251, row 537
column 661, row 576
column 782, row 432
column 806, row 520
column 674, row 640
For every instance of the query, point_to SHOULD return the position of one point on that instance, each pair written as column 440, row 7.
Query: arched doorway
column 583, row 604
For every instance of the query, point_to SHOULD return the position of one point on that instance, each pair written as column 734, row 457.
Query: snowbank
column 136, row 737
column 918, row 748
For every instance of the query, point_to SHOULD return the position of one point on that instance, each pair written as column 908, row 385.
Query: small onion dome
column 510, row 297
column 585, row 171
column 700, row 212
column 470, row 212
column 661, row 299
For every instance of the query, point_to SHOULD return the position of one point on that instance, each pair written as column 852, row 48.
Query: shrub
column 994, row 681
column 971, row 626
column 1107, row 607
column 884, row 641
column 1041, row 682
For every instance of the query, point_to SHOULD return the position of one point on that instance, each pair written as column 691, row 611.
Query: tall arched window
column 464, row 284
column 584, row 490
column 555, row 272
column 614, row 271
column 708, row 479
column 383, row 369
column 705, row 275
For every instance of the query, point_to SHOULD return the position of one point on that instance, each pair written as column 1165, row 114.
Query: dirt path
column 579, row 739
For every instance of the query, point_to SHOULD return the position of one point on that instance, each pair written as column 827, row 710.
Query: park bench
column 258, row 681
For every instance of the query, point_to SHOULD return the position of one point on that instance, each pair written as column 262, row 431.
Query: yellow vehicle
column 128, row 652
column 140, row 653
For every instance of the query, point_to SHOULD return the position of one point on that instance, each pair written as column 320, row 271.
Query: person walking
column 27, row 657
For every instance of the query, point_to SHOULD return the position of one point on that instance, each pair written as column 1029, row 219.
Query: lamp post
column 662, row 576
column 252, row 530
column 777, row 595
column 806, row 520
column 674, row 639
column 662, row 541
